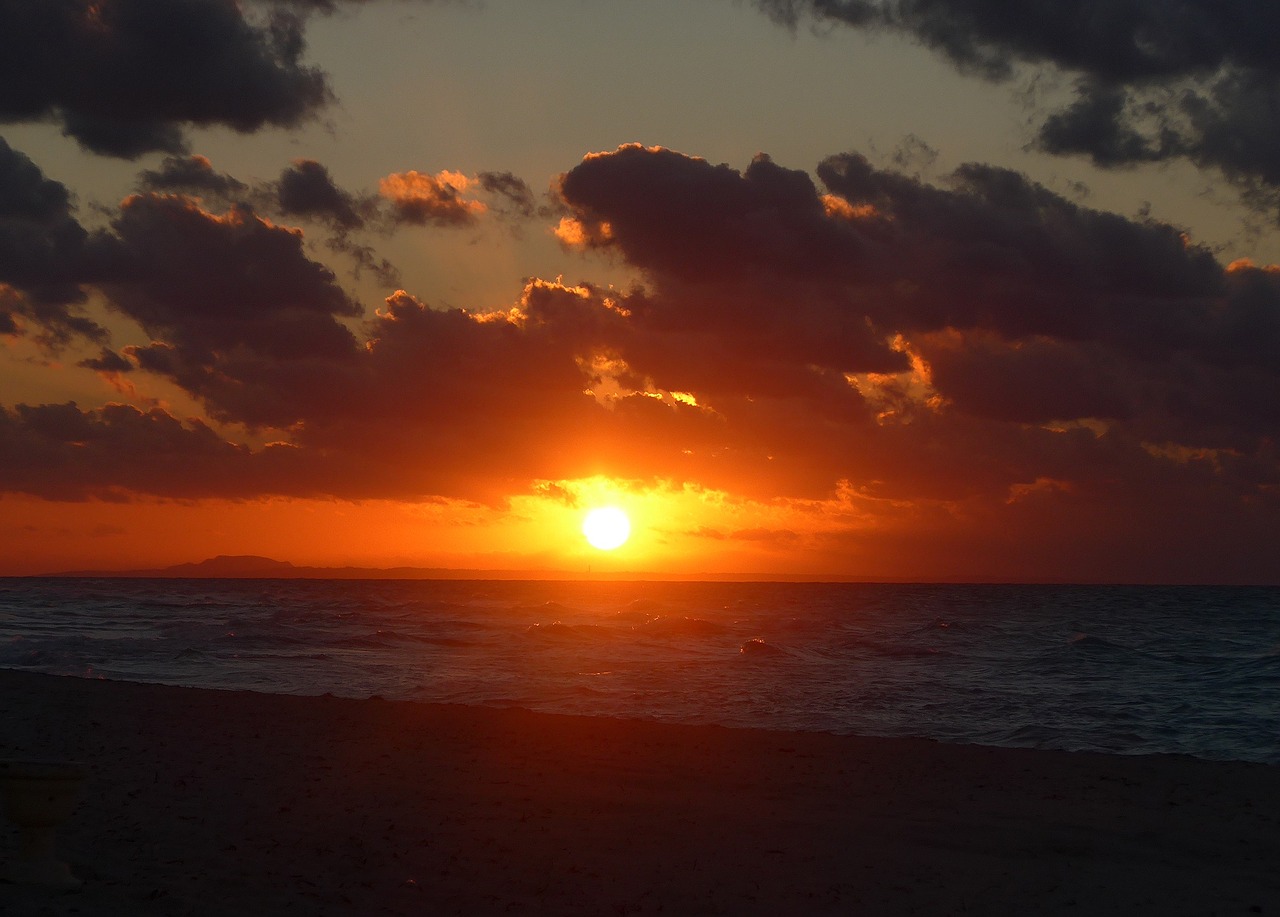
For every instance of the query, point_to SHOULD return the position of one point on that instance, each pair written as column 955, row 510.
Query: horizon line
column 256, row 567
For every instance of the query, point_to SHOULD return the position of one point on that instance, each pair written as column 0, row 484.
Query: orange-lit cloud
column 435, row 199
column 574, row 233
column 838, row 207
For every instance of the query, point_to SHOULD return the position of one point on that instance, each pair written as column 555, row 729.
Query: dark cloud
column 1119, row 41
column 699, row 221
column 366, row 259
column 1030, row 381
column 45, row 254
column 1099, row 123
column 108, row 361
column 998, row 251
column 1225, row 123
column 56, row 321
column 307, row 189
column 61, row 452
column 763, row 266
column 40, row 239
column 1196, row 79
column 1032, row 307
column 215, row 281
column 124, row 139
column 731, row 255
column 232, row 290
column 190, row 174
column 512, row 189
column 125, row 77
column 10, row 304
column 320, row 6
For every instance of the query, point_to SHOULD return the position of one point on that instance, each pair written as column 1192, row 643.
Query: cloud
column 223, row 280
column 1097, row 123
column 1116, row 42
column 652, row 203
column 1035, row 380
column 774, row 307
column 991, row 297
column 217, row 291
column 126, row 77
column 512, row 190
column 307, row 189
column 40, row 240
column 997, row 251
column 61, row 452
column 107, row 361
column 921, row 361
column 437, row 200
column 191, row 174
column 1188, row 79
column 826, row 280
column 45, row 255
column 10, row 303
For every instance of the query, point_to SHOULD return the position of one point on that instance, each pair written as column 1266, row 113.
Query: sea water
column 1117, row 669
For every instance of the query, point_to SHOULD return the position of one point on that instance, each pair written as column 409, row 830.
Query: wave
column 1082, row 642
column 315, row 657
column 1255, row 673
column 888, row 650
column 672, row 626
column 546, row 609
column 396, row 636
column 645, row 606
column 557, row 630
column 758, row 648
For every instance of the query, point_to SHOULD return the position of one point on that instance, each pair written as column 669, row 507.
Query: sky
column 872, row 289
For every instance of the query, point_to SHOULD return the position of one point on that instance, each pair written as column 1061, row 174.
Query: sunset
column 884, row 342
column 606, row 528
column 876, row 371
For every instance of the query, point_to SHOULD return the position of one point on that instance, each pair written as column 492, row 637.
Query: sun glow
column 606, row 528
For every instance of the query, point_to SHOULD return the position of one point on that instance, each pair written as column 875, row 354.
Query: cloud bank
column 1192, row 79
column 126, row 77
column 973, row 355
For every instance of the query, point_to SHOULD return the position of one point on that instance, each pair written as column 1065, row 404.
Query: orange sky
column 861, row 365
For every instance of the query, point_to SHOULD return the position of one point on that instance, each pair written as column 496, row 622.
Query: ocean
column 1113, row 669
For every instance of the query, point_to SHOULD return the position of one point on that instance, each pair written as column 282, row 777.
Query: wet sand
column 225, row 803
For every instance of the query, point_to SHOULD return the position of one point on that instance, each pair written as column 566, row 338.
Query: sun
column 606, row 528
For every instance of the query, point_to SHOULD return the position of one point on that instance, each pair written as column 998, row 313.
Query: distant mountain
column 233, row 565
column 250, row 566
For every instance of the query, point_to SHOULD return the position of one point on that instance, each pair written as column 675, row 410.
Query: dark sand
column 226, row 803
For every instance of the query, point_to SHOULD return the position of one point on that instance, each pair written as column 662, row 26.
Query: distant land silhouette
column 251, row 566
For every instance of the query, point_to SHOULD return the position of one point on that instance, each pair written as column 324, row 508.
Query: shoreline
column 207, row 802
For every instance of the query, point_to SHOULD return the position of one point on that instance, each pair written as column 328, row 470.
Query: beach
column 223, row 802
